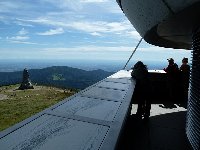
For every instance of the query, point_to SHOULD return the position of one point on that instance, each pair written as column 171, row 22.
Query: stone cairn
column 26, row 83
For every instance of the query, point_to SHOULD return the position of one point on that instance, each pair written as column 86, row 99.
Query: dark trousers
column 141, row 96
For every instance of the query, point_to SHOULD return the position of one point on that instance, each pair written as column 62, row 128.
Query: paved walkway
column 165, row 130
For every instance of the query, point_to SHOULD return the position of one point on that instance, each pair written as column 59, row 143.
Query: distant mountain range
column 59, row 76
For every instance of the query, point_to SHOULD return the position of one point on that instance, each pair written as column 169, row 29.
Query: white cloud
column 88, row 26
column 94, row 48
column 134, row 34
column 23, row 32
column 71, row 4
column 21, row 37
column 24, row 42
column 23, row 24
column 100, row 26
column 89, row 48
column 18, row 38
column 85, row 20
column 95, row 52
column 52, row 32
column 93, row 1
column 95, row 34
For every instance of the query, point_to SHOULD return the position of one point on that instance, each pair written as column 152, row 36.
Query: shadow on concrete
column 161, row 132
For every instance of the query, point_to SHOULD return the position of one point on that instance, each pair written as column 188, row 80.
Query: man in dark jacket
column 140, row 74
column 172, row 71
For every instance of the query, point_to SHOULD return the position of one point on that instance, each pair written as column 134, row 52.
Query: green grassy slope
column 17, row 105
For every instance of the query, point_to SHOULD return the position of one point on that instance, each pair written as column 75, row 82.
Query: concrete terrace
column 165, row 130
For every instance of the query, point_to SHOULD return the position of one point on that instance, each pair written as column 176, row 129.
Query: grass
column 21, row 104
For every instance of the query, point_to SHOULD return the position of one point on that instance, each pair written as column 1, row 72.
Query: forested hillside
column 60, row 76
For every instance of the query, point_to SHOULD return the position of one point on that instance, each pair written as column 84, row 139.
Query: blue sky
column 72, row 29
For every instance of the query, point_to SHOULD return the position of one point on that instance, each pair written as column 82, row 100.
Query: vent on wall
column 193, row 115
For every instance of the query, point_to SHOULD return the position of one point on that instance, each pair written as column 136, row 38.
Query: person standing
column 185, row 74
column 172, row 71
column 140, row 74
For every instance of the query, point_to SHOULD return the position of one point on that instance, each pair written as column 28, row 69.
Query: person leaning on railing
column 140, row 74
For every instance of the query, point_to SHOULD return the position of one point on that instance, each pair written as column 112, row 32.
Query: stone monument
column 26, row 83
